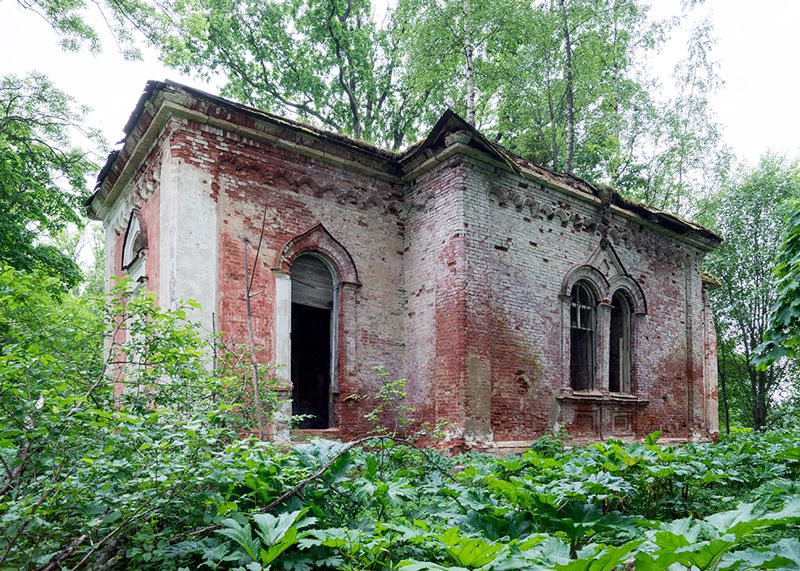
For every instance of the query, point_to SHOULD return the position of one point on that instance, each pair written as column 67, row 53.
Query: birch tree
column 42, row 174
column 749, row 214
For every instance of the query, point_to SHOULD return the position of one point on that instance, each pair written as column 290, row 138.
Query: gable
column 605, row 259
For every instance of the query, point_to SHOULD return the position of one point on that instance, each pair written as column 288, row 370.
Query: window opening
column 134, row 242
column 619, row 374
column 582, row 337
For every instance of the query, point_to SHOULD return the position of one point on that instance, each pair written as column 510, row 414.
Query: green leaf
column 652, row 438
column 241, row 534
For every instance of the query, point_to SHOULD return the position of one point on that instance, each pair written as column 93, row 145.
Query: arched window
column 134, row 249
column 619, row 363
column 583, row 323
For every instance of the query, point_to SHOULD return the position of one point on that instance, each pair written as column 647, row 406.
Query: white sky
column 757, row 49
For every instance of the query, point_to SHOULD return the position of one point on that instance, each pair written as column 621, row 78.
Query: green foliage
column 275, row 535
column 107, row 441
column 597, row 508
column 389, row 415
column 329, row 62
column 42, row 174
column 121, row 451
column 144, row 470
column 72, row 21
column 325, row 61
column 566, row 83
column 784, row 324
column 749, row 213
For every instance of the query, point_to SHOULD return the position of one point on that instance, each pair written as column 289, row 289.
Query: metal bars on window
column 583, row 323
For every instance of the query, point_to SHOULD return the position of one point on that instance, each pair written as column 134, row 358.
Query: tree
column 325, row 61
column 564, row 84
column 70, row 19
column 42, row 174
column 749, row 215
column 783, row 335
column 683, row 155
column 449, row 47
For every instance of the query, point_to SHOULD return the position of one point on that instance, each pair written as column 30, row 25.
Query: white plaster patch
column 188, row 235
column 283, row 326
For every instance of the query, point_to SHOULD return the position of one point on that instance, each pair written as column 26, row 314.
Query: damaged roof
column 450, row 124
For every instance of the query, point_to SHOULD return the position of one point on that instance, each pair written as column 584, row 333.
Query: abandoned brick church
column 513, row 299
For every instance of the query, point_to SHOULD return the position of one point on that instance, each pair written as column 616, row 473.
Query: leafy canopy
column 325, row 61
column 749, row 213
column 42, row 174
column 331, row 63
column 783, row 339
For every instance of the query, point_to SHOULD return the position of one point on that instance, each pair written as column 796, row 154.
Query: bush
column 120, row 449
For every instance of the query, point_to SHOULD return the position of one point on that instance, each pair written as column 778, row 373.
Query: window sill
column 601, row 397
column 300, row 435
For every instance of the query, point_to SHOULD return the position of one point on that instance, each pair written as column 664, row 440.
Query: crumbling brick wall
column 461, row 266
column 254, row 182
column 523, row 239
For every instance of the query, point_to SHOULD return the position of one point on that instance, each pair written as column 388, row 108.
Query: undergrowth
column 147, row 470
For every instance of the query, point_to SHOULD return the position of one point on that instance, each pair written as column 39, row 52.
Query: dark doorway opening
column 311, row 365
column 312, row 341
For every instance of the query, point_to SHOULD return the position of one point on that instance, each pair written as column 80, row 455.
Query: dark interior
column 311, row 365
column 581, row 356
column 615, row 353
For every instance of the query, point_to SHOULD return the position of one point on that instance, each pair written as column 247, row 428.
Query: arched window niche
column 620, row 339
column 600, row 319
column 314, row 337
column 583, row 336
column 134, row 248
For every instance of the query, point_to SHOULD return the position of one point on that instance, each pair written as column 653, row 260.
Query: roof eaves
column 448, row 124
column 668, row 220
column 150, row 88
column 284, row 122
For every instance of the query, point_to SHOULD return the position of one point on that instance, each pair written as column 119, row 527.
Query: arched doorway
column 313, row 339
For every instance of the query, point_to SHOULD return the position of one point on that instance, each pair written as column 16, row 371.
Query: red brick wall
column 517, row 259
column 460, row 271
column 434, row 283
column 362, row 213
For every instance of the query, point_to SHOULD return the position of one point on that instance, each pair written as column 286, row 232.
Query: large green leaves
column 276, row 534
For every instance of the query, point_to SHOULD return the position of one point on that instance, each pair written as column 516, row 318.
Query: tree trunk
column 758, row 398
column 252, row 344
column 761, row 392
column 570, row 88
column 722, row 361
column 468, row 54
column 725, row 408
column 553, row 122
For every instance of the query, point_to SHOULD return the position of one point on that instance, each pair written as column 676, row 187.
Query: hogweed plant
column 158, row 475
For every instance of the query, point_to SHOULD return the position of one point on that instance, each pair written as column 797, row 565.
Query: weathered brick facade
column 453, row 264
